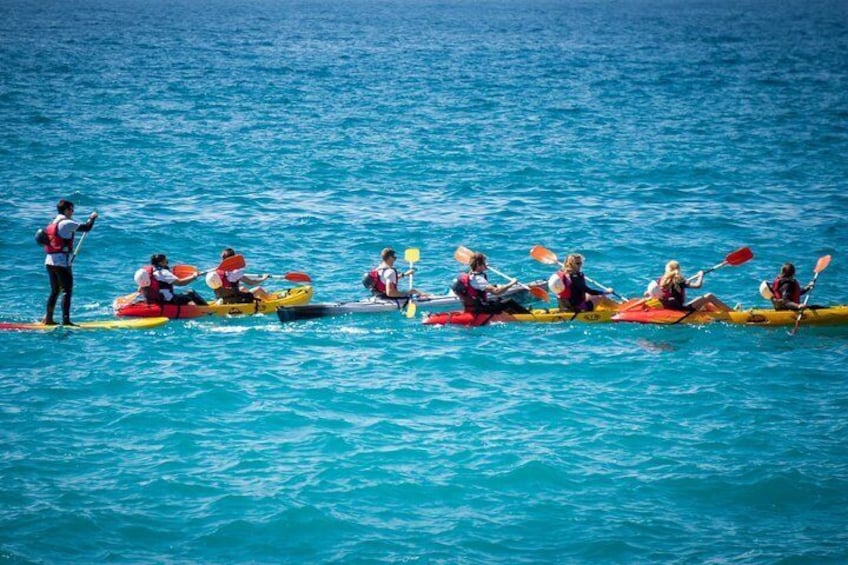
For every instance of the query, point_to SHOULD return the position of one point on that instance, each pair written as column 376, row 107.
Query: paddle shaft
column 77, row 250
column 804, row 304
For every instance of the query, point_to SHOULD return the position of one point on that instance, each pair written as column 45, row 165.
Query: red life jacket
column 225, row 282
column 56, row 243
column 374, row 280
column 151, row 292
column 794, row 292
column 470, row 296
column 565, row 295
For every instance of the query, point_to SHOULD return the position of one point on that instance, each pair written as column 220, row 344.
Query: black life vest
column 794, row 293
column 676, row 292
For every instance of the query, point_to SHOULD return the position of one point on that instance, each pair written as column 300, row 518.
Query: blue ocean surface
column 309, row 135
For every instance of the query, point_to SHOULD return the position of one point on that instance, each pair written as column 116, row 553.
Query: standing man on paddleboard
column 59, row 247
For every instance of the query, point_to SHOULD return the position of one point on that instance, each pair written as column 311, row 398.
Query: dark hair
column 228, row 252
column 157, row 259
column 787, row 270
column 63, row 205
column 388, row 252
column 477, row 260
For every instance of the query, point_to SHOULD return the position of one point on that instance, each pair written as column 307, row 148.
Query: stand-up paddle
column 463, row 255
column 77, row 250
column 821, row 265
column 411, row 255
column 548, row 257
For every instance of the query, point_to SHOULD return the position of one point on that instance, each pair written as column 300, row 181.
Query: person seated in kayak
column 569, row 285
column 383, row 279
column 787, row 292
column 161, row 282
column 474, row 289
column 672, row 291
column 227, row 284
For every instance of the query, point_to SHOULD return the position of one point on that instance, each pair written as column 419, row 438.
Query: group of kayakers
column 157, row 281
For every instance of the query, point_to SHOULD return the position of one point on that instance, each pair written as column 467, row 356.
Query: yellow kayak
column 296, row 296
column 553, row 315
column 132, row 324
column 833, row 315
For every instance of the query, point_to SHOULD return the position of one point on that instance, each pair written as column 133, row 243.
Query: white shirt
column 479, row 281
column 387, row 275
column 235, row 275
column 167, row 277
column 67, row 227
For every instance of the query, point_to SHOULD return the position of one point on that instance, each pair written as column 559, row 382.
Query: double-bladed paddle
column 412, row 256
column 548, row 257
column 229, row 264
column 821, row 265
column 463, row 255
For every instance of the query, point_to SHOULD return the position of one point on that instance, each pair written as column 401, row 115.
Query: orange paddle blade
column 540, row 293
column 463, row 255
column 296, row 276
column 741, row 255
column 544, row 255
column 183, row 271
column 232, row 263
column 822, row 264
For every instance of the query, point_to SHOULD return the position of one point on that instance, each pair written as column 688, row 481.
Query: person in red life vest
column 671, row 291
column 227, row 284
column 161, row 282
column 569, row 285
column 786, row 291
column 59, row 249
column 474, row 289
column 383, row 279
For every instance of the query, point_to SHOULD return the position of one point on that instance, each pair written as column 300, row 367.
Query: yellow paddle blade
column 412, row 255
column 410, row 310
column 544, row 255
column 463, row 255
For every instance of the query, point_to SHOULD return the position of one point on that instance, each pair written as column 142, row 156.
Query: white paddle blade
column 765, row 290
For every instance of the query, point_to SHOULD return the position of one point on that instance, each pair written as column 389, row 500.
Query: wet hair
column 477, row 260
column 388, row 252
column 672, row 275
column 228, row 252
column 64, row 205
column 787, row 270
column 157, row 259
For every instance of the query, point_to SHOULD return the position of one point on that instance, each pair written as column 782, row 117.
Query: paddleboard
column 128, row 324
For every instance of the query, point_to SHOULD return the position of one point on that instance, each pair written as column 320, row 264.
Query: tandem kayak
column 292, row 296
column 375, row 305
column 539, row 316
column 833, row 315
column 138, row 324
column 664, row 316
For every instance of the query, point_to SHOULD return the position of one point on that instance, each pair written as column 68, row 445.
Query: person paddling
column 59, row 247
column 227, row 284
column 161, row 282
column 569, row 285
column 383, row 279
column 474, row 289
column 787, row 291
column 672, row 291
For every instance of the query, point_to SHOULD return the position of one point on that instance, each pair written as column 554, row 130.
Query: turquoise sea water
column 309, row 135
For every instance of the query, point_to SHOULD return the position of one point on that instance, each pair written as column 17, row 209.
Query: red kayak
column 462, row 318
column 151, row 310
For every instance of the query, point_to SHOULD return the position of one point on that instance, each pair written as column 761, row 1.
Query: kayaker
column 787, row 292
column 59, row 248
column 383, row 279
column 474, row 289
column 227, row 284
column 569, row 284
column 162, row 282
column 672, row 291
